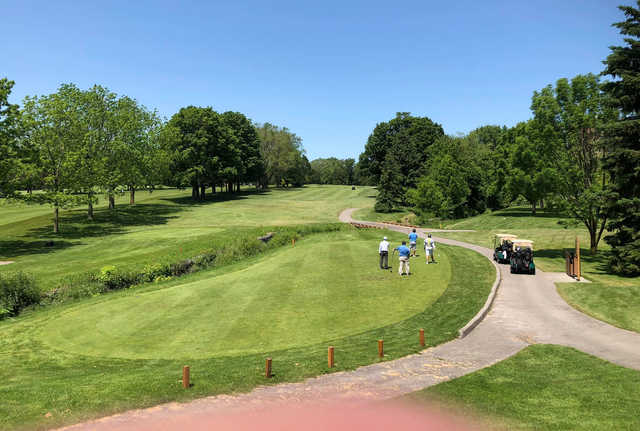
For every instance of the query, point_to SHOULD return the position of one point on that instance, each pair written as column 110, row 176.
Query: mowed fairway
column 326, row 287
column 164, row 226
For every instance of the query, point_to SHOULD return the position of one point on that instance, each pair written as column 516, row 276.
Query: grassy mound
column 547, row 387
column 326, row 287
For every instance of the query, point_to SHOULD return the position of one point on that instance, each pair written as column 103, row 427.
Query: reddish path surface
column 527, row 309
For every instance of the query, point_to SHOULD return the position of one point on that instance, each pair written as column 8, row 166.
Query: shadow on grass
column 524, row 212
column 12, row 248
column 597, row 263
column 218, row 197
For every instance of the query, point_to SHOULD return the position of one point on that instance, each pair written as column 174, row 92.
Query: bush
column 153, row 271
column 17, row 291
column 114, row 279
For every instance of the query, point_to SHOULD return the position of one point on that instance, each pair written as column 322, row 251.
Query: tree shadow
column 217, row 197
column 524, row 212
column 12, row 248
column 597, row 262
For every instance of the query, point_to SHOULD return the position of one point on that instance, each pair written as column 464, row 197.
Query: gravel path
column 527, row 309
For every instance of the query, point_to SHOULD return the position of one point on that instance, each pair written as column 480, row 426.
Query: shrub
column 114, row 279
column 153, row 271
column 17, row 291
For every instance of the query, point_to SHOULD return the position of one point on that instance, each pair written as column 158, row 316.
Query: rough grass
column 40, row 374
column 547, row 387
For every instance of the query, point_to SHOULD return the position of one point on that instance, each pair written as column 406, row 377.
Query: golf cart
column 522, row 257
column 502, row 246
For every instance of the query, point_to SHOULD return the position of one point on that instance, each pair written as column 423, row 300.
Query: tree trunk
column 533, row 208
column 90, row 208
column 112, row 201
column 194, row 192
column 213, row 189
column 203, row 192
column 132, row 195
column 55, row 220
column 238, row 186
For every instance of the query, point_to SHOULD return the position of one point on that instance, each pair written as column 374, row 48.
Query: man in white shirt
column 429, row 248
column 383, row 250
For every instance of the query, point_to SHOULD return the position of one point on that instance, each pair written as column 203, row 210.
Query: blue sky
column 327, row 70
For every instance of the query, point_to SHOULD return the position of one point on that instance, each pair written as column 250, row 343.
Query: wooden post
column 577, row 264
column 380, row 348
column 293, row 242
column 267, row 368
column 185, row 377
column 330, row 357
column 422, row 337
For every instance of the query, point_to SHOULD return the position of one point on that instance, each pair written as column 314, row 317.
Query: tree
column 332, row 171
column 568, row 124
column 53, row 134
column 284, row 157
column 199, row 151
column 413, row 134
column 530, row 174
column 623, row 157
column 245, row 162
column 9, row 122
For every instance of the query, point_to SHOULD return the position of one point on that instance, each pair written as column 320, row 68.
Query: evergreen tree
column 623, row 159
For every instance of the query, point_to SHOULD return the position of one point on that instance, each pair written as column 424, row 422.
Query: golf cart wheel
column 533, row 271
column 512, row 271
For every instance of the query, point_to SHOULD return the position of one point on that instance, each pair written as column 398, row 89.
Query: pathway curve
column 527, row 309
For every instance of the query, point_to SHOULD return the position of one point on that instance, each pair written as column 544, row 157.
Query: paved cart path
column 526, row 309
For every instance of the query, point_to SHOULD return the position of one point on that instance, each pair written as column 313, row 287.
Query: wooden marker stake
column 330, row 357
column 422, row 337
column 185, row 377
column 293, row 242
column 267, row 368
column 380, row 348
column 577, row 264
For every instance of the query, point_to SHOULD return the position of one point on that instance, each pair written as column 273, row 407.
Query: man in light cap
column 383, row 250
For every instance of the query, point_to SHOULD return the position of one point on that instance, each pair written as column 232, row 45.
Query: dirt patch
column 5, row 262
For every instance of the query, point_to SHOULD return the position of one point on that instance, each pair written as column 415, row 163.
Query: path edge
column 480, row 315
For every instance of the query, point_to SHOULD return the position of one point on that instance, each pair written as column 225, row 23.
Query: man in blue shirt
column 413, row 239
column 404, row 253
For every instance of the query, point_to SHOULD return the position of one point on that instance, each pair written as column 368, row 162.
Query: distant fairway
column 326, row 287
column 164, row 226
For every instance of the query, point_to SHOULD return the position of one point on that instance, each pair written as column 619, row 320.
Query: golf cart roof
column 506, row 236
column 523, row 243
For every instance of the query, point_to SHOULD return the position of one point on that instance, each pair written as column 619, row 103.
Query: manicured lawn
column 547, row 387
column 164, row 226
column 126, row 349
column 617, row 305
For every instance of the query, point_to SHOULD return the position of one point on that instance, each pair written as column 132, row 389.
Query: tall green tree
column 568, row 125
column 53, row 134
column 412, row 134
column 244, row 160
column 9, row 122
column 623, row 156
column 285, row 162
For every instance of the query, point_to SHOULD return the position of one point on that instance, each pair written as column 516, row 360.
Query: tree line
column 67, row 148
column 579, row 153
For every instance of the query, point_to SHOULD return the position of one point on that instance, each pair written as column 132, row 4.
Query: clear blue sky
column 327, row 70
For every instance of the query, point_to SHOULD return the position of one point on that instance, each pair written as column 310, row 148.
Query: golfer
column 383, row 250
column 404, row 253
column 429, row 248
column 413, row 239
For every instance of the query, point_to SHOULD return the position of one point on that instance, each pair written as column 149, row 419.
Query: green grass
column 616, row 305
column 164, row 226
column 401, row 215
column 294, row 297
column 609, row 297
column 547, row 387
column 126, row 349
